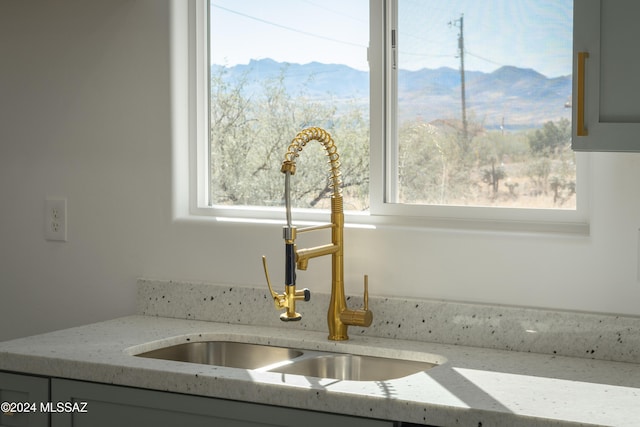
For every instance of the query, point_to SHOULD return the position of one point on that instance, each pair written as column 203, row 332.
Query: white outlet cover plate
column 55, row 219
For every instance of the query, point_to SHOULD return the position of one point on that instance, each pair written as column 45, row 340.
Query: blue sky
column 300, row 31
column 526, row 33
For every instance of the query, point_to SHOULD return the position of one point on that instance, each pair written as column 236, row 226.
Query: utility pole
column 460, row 23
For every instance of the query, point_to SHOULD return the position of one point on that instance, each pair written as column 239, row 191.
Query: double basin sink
column 340, row 366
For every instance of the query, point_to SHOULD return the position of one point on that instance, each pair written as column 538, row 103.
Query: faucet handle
column 362, row 316
column 366, row 292
column 279, row 300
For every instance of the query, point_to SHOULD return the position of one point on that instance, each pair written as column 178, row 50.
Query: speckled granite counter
column 474, row 386
column 596, row 336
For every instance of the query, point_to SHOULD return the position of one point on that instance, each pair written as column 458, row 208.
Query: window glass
column 480, row 111
column 483, row 103
column 277, row 67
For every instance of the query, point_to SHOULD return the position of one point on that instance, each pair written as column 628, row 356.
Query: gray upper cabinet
column 606, row 70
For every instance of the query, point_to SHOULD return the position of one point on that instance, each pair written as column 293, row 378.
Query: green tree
column 250, row 134
column 432, row 164
column 552, row 137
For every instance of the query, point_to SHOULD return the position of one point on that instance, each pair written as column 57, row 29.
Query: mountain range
column 509, row 96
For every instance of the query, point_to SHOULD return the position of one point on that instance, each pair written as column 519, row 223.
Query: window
column 438, row 109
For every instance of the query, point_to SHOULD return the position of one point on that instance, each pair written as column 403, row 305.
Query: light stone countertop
column 498, row 366
column 473, row 387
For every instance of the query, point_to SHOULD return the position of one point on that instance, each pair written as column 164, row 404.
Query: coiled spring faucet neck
column 324, row 138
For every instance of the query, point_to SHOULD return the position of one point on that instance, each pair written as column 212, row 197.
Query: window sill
column 534, row 222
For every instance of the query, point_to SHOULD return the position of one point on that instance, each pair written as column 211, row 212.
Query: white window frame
column 382, row 131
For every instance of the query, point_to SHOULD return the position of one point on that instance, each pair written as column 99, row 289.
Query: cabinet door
column 607, row 31
column 108, row 406
column 22, row 389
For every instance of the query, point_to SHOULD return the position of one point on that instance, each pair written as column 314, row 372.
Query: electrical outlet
column 55, row 219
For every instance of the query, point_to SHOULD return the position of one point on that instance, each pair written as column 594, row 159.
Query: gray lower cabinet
column 25, row 391
column 109, row 405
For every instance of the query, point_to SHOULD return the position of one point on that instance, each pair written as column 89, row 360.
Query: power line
column 337, row 12
column 284, row 27
column 483, row 58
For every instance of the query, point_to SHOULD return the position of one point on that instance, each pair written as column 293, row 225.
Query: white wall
column 85, row 114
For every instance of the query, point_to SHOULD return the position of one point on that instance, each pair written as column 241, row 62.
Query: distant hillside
column 514, row 96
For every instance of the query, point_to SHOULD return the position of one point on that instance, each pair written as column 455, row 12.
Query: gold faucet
column 339, row 316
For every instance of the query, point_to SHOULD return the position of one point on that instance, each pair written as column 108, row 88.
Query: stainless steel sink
column 224, row 353
column 340, row 366
column 354, row 367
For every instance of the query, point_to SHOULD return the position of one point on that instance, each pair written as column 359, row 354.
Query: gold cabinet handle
column 581, row 130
